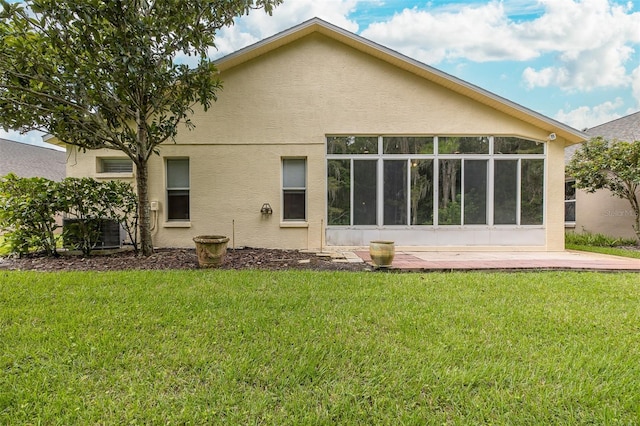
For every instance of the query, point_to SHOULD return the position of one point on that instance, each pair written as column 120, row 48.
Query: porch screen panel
column 395, row 192
column 422, row 192
column 365, row 177
column 407, row 145
column 532, row 192
column 352, row 145
column 505, row 192
column 475, row 192
column 339, row 192
column 449, row 199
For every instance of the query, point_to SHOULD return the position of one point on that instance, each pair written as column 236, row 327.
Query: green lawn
column 615, row 251
column 247, row 347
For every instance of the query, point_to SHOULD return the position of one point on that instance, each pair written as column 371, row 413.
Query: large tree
column 612, row 165
column 112, row 73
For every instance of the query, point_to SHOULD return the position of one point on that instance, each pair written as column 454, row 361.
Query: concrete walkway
column 419, row 261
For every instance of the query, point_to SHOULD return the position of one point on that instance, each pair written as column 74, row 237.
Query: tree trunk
column 144, row 213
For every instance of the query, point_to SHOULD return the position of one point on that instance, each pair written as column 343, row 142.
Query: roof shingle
column 31, row 161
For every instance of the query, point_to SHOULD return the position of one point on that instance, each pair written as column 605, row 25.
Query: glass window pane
column 422, row 192
column 570, row 201
column 294, row 205
column 116, row 165
column 570, row 190
column 449, row 193
column 294, row 173
column 178, row 173
column 177, row 204
column 407, row 145
column 352, row 145
column 338, row 192
column 475, row 192
column 395, row 192
column 463, row 145
column 531, row 192
column 502, row 145
column 505, row 192
column 365, row 192
column 570, row 211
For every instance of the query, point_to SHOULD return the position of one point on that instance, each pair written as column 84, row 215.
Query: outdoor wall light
column 266, row 209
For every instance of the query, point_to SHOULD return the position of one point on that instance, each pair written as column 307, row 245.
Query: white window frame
column 119, row 171
column 570, row 224
column 284, row 189
column 491, row 157
column 168, row 189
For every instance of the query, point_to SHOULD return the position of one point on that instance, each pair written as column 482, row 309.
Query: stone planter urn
column 382, row 253
column 211, row 250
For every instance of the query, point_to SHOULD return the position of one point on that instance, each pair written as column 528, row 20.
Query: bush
column 596, row 240
column 28, row 207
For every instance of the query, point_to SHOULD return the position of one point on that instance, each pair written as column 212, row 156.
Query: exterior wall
column 554, row 203
column 603, row 213
column 283, row 105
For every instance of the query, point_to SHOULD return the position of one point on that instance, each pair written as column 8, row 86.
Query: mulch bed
column 164, row 259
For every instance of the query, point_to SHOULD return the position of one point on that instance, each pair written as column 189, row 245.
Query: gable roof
column 625, row 128
column 31, row 161
column 317, row 25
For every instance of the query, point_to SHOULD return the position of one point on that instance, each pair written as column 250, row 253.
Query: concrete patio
column 426, row 261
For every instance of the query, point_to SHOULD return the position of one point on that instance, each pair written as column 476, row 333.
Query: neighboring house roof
column 625, row 128
column 31, row 161
column 571, row 135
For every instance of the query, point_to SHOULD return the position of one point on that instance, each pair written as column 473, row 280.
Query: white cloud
column 589, row 41
column 586, row 117
column 478, row 33
column 259, row 25
column 635, row 85
column 593, row 40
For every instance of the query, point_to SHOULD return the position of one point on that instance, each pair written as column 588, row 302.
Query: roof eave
column 569, row 134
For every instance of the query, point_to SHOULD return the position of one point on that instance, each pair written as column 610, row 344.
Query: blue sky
column 577, row 61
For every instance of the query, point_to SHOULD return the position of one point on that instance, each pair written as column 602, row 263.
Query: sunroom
column 435, row 190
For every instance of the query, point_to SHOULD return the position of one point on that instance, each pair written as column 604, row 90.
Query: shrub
column 597, row 240
column 28, row 207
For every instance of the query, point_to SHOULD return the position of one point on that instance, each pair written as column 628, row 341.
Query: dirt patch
column 163, row 259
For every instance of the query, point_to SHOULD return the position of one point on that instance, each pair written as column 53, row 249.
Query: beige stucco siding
column 317, row 86
column 602, row 213
column 282, row 105
column 554, row 203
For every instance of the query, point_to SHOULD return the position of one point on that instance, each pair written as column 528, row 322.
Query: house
column 26, row 160
column 323, row 138
column 601, row 212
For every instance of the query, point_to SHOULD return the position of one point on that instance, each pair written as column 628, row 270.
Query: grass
column 599, row 243
column 294, row 347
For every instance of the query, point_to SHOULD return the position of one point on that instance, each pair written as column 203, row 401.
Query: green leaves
column 28, row 209
column 105, row 74
column 611, row 165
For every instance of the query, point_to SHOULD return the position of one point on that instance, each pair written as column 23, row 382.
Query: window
column 570, row 201
column 115, row 165
column 177, row 189
column 434, row 180
column 294, row 189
